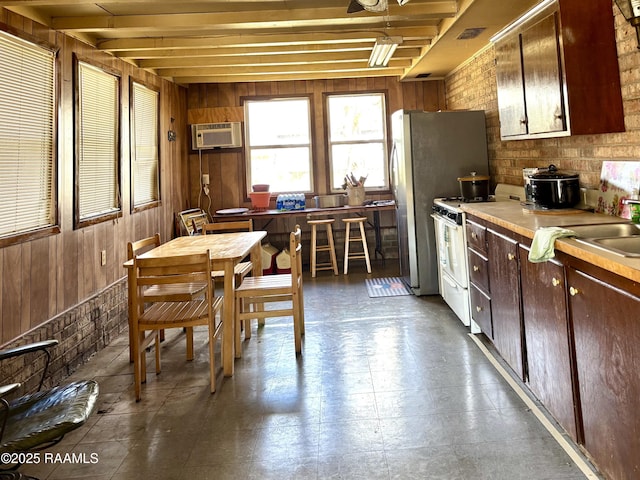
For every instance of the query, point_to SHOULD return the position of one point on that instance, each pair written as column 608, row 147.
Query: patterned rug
column 386, row 287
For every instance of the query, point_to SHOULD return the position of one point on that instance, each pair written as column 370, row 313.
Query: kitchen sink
column 602, row 230
column 618, row 238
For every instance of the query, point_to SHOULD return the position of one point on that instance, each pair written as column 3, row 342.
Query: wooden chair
column 191, row 221
column 255, row 291
column 242, row 269
column 150, row 315
column 162, row 293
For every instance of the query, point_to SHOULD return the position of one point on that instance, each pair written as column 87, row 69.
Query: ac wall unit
column 216, row 135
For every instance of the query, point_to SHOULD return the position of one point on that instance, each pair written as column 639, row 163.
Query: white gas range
column 451, row 244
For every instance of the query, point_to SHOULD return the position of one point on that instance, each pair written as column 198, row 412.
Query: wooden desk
column 269, row 215
column 226, row 250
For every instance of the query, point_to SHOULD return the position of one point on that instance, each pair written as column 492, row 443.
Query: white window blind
column 97, row 142
column 27, row 153
column 144, row 145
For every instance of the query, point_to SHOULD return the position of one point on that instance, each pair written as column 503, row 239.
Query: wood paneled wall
column 42, row 278
column 223, row 103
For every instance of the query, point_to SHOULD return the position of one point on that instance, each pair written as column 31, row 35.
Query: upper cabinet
column 557, row 72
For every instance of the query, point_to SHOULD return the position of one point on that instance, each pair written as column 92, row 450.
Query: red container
column 260, row 200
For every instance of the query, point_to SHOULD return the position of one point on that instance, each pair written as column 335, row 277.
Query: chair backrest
column 295, row 250
column 180, row 269
column 143, row 245
column 191, row 221
column 227, row 227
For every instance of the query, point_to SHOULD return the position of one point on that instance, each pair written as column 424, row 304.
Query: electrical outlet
column 205, row 179
column 103, row 258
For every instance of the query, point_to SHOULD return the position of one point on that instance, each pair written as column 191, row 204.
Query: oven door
column 452, row 249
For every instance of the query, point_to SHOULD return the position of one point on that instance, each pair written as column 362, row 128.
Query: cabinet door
column 513, row 118
column 542, row 77
column 546, row 329
column 606, row 329
column 504, row 280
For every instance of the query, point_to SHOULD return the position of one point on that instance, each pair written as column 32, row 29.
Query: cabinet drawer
column 478, row 269
column 481, row 310
column 477, row 236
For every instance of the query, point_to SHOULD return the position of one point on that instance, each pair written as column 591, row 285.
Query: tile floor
column 386, row 388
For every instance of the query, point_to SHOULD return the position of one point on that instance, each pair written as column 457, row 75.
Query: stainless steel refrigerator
column 430, row 151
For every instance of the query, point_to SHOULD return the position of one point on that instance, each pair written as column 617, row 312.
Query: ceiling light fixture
column 383, row 51
column 631, row 11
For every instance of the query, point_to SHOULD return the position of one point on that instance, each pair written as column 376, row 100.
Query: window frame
column 53, row 227
column 385, row 140
column 311, row 145
column 132, row 146
column 117, row 212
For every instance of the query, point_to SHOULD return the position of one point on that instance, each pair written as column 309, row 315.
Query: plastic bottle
column 279, row 202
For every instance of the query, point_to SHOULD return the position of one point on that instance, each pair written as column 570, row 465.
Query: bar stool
column 348, row 239
column 328, row 247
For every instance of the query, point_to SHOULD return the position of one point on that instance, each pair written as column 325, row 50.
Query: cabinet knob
column 523, row 121
column 478, row 309
column 511, row 256
column 476, row 268
column 474, row 235
column 555, row 282
column 573, row 291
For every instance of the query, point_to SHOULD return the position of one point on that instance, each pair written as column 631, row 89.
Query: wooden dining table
column 225, row 250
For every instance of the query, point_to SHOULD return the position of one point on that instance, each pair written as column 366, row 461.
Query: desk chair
column 162, row 293
column 255, row 291
column 150, row 315
column 348, row 239
column 242, row 269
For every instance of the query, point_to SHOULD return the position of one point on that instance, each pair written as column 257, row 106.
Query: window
column 358, row 139
column 145, row 183
column 279, row 144
column 27, row 139
column 97, row 186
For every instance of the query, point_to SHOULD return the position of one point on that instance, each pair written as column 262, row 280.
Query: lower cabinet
column 571, row 331
column 504, row 280
column 606, row 328
column 548, row 339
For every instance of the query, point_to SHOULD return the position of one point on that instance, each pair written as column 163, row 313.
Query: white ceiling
column 214, row 41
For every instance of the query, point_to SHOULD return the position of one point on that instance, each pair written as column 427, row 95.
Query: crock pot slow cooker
column 553, row 188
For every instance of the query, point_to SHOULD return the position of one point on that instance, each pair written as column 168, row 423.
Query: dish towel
column 543, row 243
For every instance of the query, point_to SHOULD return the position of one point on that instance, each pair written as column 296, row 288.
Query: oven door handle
column 446, row 220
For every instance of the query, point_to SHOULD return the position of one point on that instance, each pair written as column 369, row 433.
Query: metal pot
column 474, row 188
column 553, row 188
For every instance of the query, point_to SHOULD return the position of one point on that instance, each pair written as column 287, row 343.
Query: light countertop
column 512, row 216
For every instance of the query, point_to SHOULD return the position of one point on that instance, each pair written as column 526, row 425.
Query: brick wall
column 473, row 86
column 80, row 331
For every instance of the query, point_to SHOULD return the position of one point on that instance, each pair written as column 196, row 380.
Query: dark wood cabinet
column 606, row 326
column 504, row 279
column 548, row 340
column 548, row 82
column 479, row 277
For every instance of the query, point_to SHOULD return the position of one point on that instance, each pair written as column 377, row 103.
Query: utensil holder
column 355, row 196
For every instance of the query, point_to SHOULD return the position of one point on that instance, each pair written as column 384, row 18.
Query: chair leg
column 314, row 239
column 138, row 361
column 297, row 322
column 236, row 336
column 157, row 342
column 189, row 344
column 332, row 249
column 364, row 245
column 212, row 355
column 346, row 247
